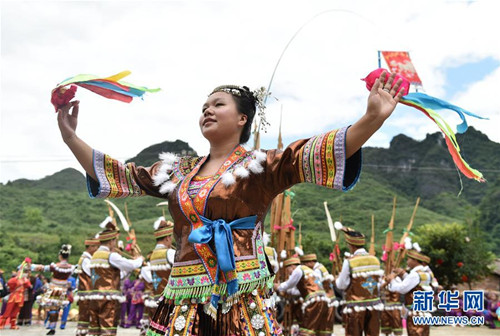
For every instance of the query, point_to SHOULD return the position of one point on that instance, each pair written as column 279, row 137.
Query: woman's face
column 220, row 119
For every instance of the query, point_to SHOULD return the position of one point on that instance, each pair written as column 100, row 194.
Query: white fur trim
column 255, row 167
column 228, row 179
column 260, row 156
column 242, row 172
column 299, row 251
column 168, row 158
column 160, row 178
column 156, row 224
column 104, row 222
column 167, row 187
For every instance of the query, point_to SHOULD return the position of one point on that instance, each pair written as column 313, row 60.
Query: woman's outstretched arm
column 67, row 125
column 382, row 101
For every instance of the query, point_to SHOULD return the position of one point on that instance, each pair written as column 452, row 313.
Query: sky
column 187, row 48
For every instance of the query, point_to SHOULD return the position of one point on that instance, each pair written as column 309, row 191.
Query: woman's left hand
column 384, row 96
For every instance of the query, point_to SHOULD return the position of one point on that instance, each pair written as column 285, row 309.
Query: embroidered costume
column 56, row 295
column 317, row 316
column 157, row 272
column 420, row 278
column 324, row 277
column 84, row 288
column 390, row 317
column 359, row 279
column 16, row 287
column 221, row 279
column 107, row 267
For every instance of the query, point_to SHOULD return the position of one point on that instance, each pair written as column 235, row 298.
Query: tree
column 488, row 218
column 32, row 216
column 459, row 253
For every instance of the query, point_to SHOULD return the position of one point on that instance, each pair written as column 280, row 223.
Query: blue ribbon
column 221, row 232
column 438, row 104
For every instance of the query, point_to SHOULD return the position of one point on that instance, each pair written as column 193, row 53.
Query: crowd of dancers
column 115, row 289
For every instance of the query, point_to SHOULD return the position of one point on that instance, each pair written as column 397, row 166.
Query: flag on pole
column 400, row 63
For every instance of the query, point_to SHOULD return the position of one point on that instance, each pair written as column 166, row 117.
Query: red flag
column 400, row 63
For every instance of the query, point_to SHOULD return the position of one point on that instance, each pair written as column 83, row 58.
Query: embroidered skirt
column 252, row 315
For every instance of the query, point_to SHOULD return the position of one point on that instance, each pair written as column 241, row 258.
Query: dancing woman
column 221, row 278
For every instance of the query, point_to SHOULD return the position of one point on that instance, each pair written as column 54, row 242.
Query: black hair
column 65, row 251
column 245, row 104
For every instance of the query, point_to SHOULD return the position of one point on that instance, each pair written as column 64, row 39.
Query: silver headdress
column 260, row 95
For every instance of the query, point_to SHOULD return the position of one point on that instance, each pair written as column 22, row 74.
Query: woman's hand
column 68, row 122
column 384, row 97
column 382, row 101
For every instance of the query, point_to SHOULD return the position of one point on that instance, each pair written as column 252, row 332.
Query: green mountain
column 36, row 217
column 67, row 179
column 149, row 155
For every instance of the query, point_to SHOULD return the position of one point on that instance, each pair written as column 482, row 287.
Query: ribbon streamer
column 111, row 87
column 428, row 104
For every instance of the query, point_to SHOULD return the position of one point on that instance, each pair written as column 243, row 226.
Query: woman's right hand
column 67, row 122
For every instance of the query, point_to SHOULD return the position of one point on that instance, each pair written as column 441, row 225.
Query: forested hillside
column 36, row 217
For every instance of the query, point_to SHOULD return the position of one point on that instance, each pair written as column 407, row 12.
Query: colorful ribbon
column 111, row 87
column 428, row 104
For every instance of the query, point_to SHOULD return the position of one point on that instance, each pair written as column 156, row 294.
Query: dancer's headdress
column 163, row 228
column 110, row 231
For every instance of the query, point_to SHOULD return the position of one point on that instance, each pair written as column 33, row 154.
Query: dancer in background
column 85, row 285
column 17, row 285
column 317, row 316
column 55, row 297
column 157, row 272
column 359, row 279
column 107, row 268
column 420, row 278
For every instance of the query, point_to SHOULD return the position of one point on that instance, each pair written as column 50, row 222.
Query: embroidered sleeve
column 320, row 160
column 117, row 180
